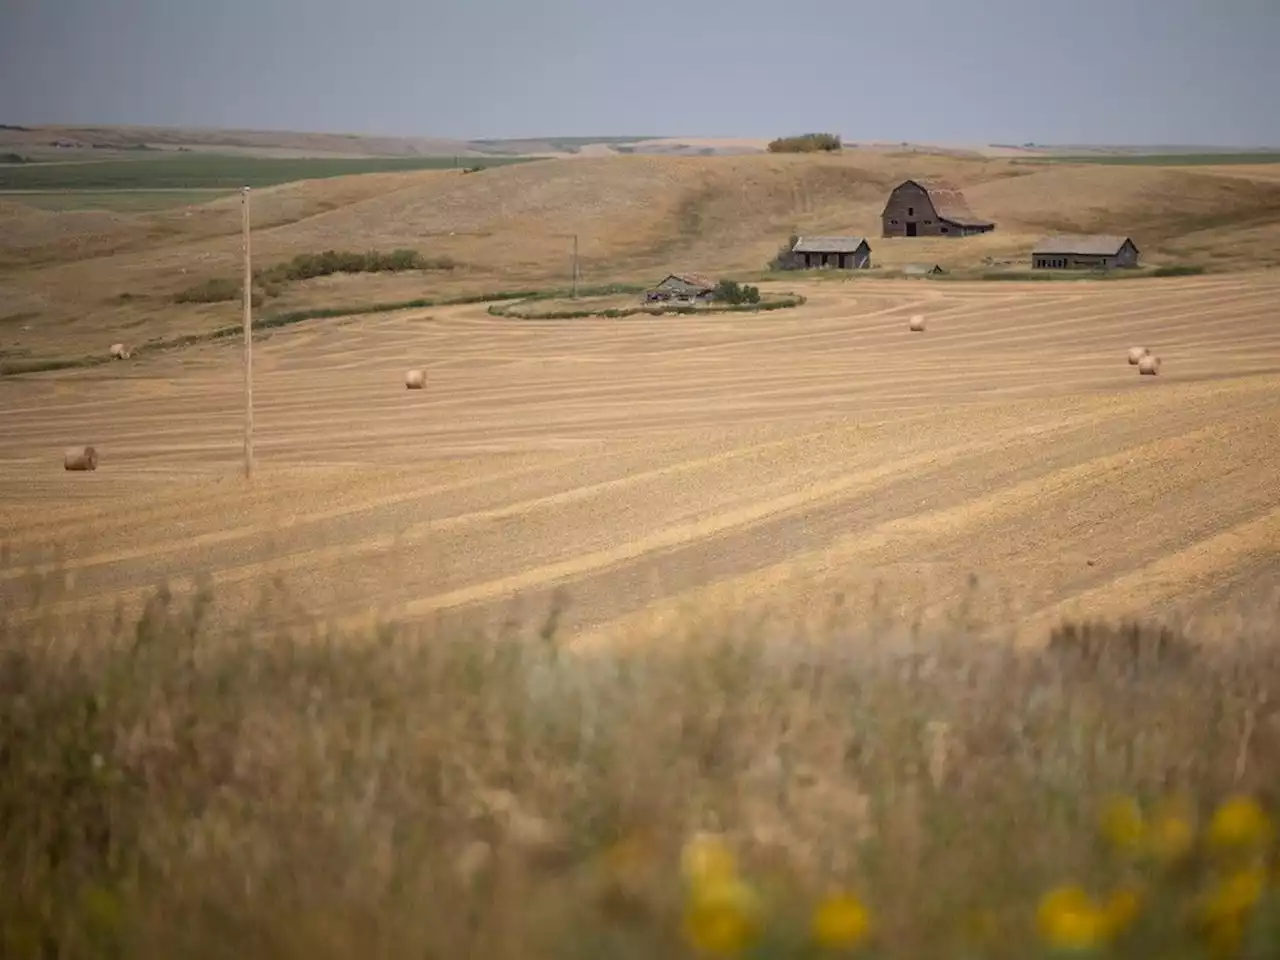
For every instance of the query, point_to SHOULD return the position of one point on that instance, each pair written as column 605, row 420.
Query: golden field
column 649, row 576
column 656, row 459
column 666, row 460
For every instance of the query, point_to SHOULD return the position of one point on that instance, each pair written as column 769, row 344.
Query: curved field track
column 651, row 466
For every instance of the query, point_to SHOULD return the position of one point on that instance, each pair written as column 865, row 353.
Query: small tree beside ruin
column 733, row 293
column 785, row 258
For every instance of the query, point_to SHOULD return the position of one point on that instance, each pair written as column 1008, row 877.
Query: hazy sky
column 971, row 71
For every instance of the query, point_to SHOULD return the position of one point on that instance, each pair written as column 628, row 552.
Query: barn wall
column 1074, row 261
column 1128, row 256
column 909, row 197
column 858, row 260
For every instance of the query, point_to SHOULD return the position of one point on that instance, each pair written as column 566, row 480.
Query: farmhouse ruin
column 930, row 208
column 1084, row 251
column 681, row 287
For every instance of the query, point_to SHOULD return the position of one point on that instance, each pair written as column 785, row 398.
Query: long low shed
column 843, row 253
column 1082, row 251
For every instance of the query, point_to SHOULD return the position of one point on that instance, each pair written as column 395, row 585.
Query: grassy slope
column 1168, row 159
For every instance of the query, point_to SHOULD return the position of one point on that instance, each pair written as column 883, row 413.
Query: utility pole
column 575, row 266
column 248, row 340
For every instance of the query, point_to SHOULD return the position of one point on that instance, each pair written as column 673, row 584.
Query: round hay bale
column 415, row 379
column 1136, row 354
column 1149, row 365
column 80, row 458
column 917, row 323
column 118, row 352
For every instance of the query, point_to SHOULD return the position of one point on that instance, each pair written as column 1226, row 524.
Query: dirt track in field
column 650, row 466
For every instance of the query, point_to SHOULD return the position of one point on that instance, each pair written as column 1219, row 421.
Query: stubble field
column 650, row 467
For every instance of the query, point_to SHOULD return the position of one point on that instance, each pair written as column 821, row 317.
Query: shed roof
column 915, row 268
column 828, row 244
column 692, row 279
column 1088, row 244
column 948, row 202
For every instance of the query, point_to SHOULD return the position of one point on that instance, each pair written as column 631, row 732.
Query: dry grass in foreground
column 168, row 792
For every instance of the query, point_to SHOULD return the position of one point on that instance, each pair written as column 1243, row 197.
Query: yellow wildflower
column 1224, row 910
column 1068, row 919
column 1239, row 823
column 1235, row 895
column 1171, row 836
column 707, row 858
column 841, row 922
column 722, row 916
column 1122, row 824
column 1121, row 909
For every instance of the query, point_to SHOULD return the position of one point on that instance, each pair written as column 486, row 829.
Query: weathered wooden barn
column 1084, row 251
column 930, row 208
column 843, row 253
column 682, row 286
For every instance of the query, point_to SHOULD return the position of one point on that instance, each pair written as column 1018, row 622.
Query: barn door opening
column 911, row 230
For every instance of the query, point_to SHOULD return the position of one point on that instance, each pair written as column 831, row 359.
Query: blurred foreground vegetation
column 172, row 789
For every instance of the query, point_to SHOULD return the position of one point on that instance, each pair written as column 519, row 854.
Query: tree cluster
column 806, row 143
column 731, row 292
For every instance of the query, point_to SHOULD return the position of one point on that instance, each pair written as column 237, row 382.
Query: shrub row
column 217, row 290
column 308, row 266
column 612, row 313
column 734, row 293
column 1178, row 270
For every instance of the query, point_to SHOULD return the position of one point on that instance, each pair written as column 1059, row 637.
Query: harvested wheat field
column 647, row 467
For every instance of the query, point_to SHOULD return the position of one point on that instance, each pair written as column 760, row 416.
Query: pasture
column 195, row 171
column 651, row 465
column 1157, row 159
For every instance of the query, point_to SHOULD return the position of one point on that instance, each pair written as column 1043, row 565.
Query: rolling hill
column 79, row 278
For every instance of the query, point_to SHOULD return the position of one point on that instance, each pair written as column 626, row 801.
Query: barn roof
column 828, row 244
column 948, row 202
column 1087, row 244
column 692, row 279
